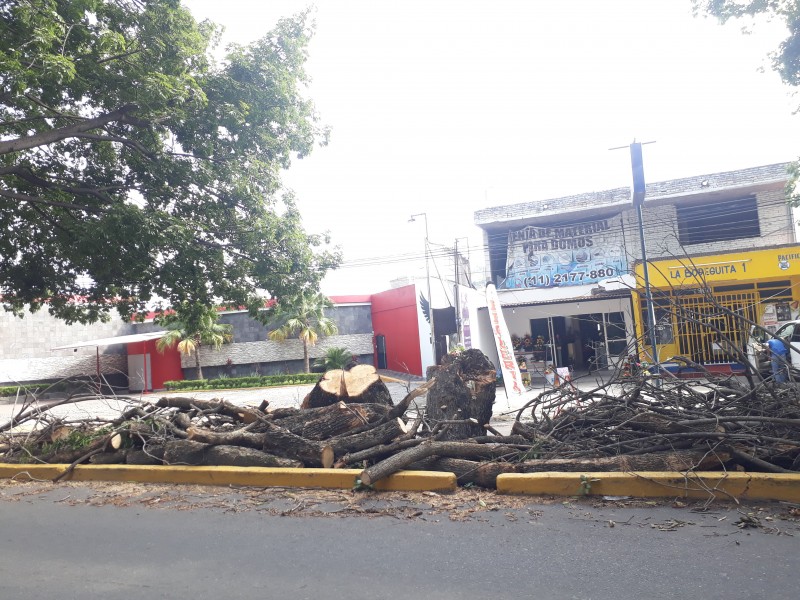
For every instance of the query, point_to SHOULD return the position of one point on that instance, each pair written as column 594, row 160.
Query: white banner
column 512, row 379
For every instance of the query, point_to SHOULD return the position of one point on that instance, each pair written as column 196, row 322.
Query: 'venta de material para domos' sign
column 574, row 254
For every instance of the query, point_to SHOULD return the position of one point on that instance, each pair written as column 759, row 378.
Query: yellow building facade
column 700, row 301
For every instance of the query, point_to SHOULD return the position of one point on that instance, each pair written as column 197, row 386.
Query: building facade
column 569, row 270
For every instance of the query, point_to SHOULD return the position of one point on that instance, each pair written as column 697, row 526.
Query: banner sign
column 576, row 254
column 512, row 379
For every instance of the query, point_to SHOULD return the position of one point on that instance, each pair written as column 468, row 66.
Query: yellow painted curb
column 656, row 484
column 249, row 476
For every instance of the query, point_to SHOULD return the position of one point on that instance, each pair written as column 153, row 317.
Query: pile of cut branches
column 350, row 421
column 720, row 418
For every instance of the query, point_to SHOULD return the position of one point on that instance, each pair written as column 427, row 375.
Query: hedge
column 253, row 381
column 38, row 388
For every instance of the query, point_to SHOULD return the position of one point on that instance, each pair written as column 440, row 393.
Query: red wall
column 163, row 367
column 394, row 315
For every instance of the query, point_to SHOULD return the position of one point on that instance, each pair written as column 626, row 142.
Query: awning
column 120, row 339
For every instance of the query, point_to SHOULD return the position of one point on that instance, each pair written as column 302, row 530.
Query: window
column 718, row 221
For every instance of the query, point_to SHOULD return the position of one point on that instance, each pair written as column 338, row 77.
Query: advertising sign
column 576, row 254
column 512, row 379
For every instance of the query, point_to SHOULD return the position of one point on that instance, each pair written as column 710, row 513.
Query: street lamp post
column 428, row 278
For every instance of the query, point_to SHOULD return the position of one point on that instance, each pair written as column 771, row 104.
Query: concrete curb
column 656, row 484
column 410, row 481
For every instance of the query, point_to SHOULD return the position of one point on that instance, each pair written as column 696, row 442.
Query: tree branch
column 35, row 200
column 56, row 135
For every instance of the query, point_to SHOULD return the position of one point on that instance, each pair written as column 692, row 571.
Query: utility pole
column 456, row 294
column 637, row 197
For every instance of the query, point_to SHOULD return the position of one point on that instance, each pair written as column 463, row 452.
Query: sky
column 447, row 107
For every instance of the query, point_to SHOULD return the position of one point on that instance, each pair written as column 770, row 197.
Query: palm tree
column 303, row 316
column 334, row 358
column 192, row 326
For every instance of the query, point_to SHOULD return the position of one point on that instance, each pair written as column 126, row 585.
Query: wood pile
column 349, row 420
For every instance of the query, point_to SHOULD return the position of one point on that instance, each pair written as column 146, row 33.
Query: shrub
column 241, row 382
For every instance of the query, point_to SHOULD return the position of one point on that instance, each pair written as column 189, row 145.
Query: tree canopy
column 786, row 57
column 301, row 316
column 134, row 166
column 192, row 326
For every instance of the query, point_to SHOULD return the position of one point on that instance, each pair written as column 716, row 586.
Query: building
column 569, row 270
column 387, row 329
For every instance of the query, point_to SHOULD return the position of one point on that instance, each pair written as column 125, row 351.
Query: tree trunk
column 227, row 438
column 376, row 436
column 329, row 421
column 305, row 356
column 361, row 384
column 483, row 474
column 285, row 443
column 680, row 460
column 464, row 389
column 190, row 452
column 241, row 413
column 197, row 362
column 404, row 458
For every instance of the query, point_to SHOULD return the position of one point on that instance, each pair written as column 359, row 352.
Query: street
column 117, row 541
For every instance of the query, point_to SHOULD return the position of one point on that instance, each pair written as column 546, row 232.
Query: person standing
column 779, row 355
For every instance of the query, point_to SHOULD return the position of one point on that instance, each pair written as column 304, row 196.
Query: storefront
column 583, row 328
column 704, row 305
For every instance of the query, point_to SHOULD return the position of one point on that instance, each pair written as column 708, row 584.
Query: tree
column 133, row 166
column 786, row 58
column 302, row 316
column 335, row 358
column 192, row 326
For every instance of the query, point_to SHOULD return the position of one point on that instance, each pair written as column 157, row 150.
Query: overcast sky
column 447, row 107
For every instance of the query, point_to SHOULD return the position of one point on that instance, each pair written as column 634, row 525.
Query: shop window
column 718, row 221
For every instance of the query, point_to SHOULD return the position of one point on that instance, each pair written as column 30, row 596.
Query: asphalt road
column 72, row 541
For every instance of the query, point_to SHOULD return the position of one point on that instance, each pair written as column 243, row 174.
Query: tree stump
column 464, row 389
column 360, row 384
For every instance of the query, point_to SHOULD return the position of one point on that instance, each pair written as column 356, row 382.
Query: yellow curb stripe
column 656, row 484
column 249, row 476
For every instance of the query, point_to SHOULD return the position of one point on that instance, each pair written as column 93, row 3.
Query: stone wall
column 26, row 348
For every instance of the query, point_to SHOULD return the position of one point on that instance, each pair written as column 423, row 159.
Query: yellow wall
column 756, row 265
column 720, row 269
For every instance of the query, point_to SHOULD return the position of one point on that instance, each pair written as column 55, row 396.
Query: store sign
column 577, row 254
column 738, row 266
column 512, row 378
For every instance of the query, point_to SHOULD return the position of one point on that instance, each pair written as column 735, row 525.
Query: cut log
column 681, row 460
column 237, row 456
column 188, row 452
column 360, row 384
column 347, row 418
column 464, row 389
column 428, row 448
column 226, row 438
column 336, row 419
column 380, row 434
column 184, row 452
column 109, row 458
column 240, row 413
column 284, row 443
column 483, row 474
column 526, row 431
column 115, row 441
column 376, row 452
column 150, row 455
